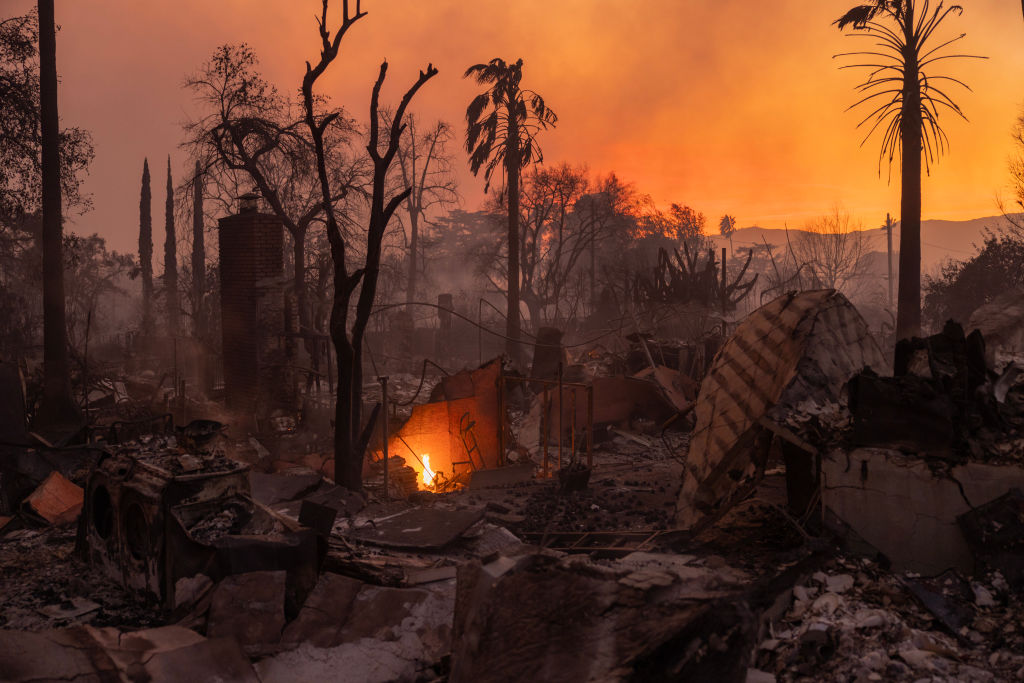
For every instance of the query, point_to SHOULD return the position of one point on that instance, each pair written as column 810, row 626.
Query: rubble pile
column 857, row 622
column 571, row 523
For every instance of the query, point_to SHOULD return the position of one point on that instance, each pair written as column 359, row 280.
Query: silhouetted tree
column 252, row 135
column 57, row 407
column 198, row 256
column 963, row 286
column 908, row 115
column 170, row 258
column 21, row 278
column 146, row 250
column 20, row 132
column 426, row 167
column 553, row 238
column 832, row 250
column 726, row 227
column 501, row 132
column 349, row 439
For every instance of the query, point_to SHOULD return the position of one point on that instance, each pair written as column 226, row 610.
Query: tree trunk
column 348, row 466
column 170, row 258
column 414, row 240
column 908, row 314
column 57, row 407
column 299, row 279
column 198, row 258
column 512, row 322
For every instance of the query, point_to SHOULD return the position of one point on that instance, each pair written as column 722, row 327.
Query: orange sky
column 726, row 105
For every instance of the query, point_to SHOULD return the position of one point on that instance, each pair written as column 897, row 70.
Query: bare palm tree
column 501, row 133
column 905, row 103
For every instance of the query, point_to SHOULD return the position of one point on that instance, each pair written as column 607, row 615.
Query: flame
column 428, row 474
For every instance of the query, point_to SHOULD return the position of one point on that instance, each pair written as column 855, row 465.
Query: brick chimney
column 252, row 307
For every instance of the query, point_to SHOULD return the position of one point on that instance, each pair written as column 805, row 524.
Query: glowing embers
column 428, row 474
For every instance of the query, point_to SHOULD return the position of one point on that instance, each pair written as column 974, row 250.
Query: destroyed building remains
column 770, row 519
column 352, row 424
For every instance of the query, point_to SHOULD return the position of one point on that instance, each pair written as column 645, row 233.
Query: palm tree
column 57, row 408
column 501, row 130
column 727, row 226
column 905, row 104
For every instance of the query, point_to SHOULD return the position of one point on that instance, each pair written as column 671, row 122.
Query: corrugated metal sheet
column 799, row 346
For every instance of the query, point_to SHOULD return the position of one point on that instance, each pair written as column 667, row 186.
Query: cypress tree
column 146, row 250
column 198, row 256
column 170, row 258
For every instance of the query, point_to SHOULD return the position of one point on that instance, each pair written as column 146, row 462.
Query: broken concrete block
column 372, row 633
column 325, row 613
column 169, row 653
column 249, row 608
column 905, row 510
column 906, row 412
column 649, row 622
column 57, row 500
column 995, row 533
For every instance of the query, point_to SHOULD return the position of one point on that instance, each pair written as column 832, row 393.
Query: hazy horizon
column 726, row 107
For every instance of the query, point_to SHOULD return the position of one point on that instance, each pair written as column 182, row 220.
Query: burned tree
column 501, row 132
column 426, row 168
column 146, row 250
column 198, row 256
column 908, row 115
column 170, row 258
column 684, row 279
column 21, row 182
column 349, row 438
column 833, row 250
column 251, row 136
column 58, row 407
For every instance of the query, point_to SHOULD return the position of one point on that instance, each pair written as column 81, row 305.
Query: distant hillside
column 940, row 239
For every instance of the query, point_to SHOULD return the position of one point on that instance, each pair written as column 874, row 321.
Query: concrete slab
column 899, row 506
column 249, row 608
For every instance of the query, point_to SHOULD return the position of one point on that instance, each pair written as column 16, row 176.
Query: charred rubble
column 779, row 503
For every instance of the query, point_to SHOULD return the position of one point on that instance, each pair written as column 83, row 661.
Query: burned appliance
column 157, row 519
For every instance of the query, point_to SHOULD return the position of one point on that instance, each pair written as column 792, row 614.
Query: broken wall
column 900, row 507
column 436, row 428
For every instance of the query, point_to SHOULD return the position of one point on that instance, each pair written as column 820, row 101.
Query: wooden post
column 561, row 399
column 545, row 428
column 501, row 418
column 888, row 235
column 590, row 426
column 384, row 438
column 725, row 295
